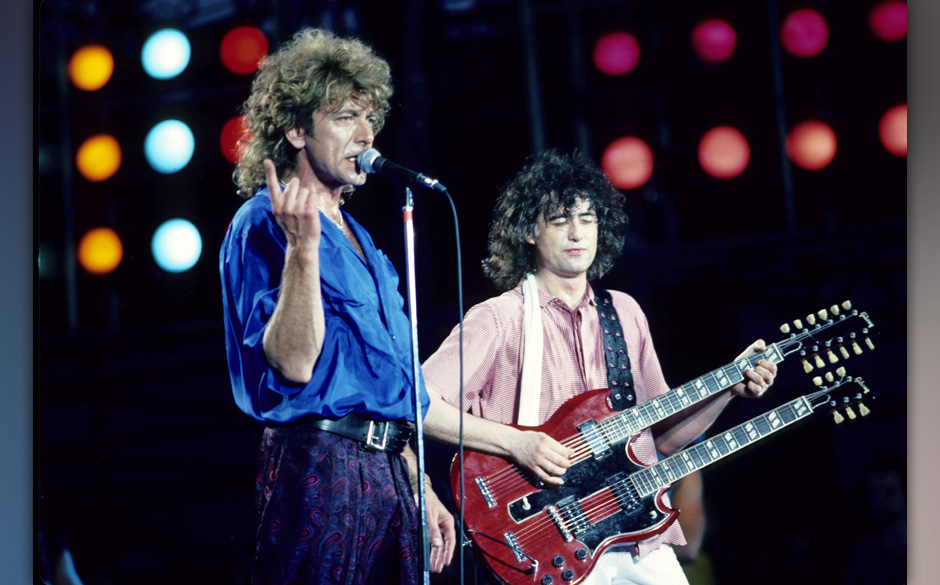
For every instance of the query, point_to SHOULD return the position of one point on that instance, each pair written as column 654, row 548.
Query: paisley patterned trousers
column 332, row 513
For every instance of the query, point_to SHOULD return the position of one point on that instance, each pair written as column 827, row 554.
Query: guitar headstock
column 828, row 336
column 842, row 394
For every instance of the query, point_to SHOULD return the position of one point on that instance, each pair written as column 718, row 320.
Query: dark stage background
column 144, row 465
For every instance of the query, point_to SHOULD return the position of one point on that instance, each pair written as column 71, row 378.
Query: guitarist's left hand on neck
column 760, row 378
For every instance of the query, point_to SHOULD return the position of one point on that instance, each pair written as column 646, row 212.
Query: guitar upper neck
column 637, row 418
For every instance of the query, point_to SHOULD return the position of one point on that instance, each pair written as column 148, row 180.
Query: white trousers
column 618, row 566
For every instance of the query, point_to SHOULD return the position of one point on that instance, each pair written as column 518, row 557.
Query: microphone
column 371, row 161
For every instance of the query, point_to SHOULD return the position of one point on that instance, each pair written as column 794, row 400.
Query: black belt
column 373, row 435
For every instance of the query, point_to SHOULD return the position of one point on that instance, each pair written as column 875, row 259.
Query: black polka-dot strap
column 622, row 394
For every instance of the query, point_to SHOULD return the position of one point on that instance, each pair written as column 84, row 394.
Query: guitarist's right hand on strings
column 542, row 455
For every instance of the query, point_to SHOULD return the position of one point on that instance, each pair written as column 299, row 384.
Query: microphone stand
column 423, row 537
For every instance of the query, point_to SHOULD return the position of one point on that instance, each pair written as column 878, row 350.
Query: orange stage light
column 91, row 67
column 100, row 251
column 724, row 152
column 98, row 158
column 628, row 162
column 892, row 130
column 812, row 145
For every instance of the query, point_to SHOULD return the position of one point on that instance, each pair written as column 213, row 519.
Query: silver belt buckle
column 371, row 439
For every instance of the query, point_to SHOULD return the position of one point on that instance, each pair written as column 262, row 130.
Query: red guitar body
column 534, row 535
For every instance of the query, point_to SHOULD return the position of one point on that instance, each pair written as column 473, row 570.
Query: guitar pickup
column 594, row 438
column 573, row 515
column 485, row 492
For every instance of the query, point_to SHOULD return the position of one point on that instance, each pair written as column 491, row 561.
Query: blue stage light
column 176, row 245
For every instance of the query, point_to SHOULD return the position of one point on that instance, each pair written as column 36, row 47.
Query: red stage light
column 616, row 53
column 812, row 145
column 892, row 129
column 714, row 40
column 724, row 152
column 242, row 48
column 888, row 20
column 232, row 138
column 628, row 162
column 804, row 33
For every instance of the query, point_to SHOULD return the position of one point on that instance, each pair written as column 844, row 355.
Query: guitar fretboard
column 633, row 420
column 670, row 470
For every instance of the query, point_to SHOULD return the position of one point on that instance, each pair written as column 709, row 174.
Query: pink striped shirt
column 573, row 362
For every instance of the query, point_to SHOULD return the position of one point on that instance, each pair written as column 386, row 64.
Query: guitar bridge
column 485, row 492
column 559, row 523
column 517, row 551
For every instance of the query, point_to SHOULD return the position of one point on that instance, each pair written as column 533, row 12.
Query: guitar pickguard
column 593, row 476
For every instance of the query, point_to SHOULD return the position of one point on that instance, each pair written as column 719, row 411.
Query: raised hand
column 296, row 208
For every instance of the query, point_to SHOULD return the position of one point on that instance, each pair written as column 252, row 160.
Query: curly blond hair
column 546, row 183
column 313, row 69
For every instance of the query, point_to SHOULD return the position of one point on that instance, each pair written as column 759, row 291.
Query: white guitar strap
column 531, row 387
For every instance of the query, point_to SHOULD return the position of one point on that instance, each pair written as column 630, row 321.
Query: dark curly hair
column 314, row 68
column 546, row 183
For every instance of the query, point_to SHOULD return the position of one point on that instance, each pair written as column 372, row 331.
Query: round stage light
column 617, row 53
column 714, row 40
column 892, row 130
column 176, row 245
column 888, row 20
column 242, row 48
column 98, row 158
column 804, row 33
column 232, row 137
column 628, row 162
column 723, row 152
column 91, row 67
column 169, row 146
column 812, row 145
column 100, row 251
column 165, row 54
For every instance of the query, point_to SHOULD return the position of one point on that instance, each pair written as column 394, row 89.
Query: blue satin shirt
column 365, row 365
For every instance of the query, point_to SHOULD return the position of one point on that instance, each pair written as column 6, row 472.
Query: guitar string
column 673, row 398
column 604, row 503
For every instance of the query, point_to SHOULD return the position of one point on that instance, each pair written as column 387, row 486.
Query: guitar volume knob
column 547, row 580
column 558, row 561
column 567, row 575
column 581, row 554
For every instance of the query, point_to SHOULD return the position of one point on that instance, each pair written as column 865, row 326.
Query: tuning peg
column 838, row 417
column 797, row 323
column 811, row 319
column 819, row 362
column 833, row 358
column 823, row 314
column 869, row 343
column 844, row 352
column 856, row 348
column 807, row 367
column 863, row 410
column 850, row 413
column 840, row 372
column 847, row 305
column 817, row 380
column 785, row 328
column 834, row 309
column 829, row 377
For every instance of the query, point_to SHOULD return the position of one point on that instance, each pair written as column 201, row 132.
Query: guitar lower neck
column 650, row 479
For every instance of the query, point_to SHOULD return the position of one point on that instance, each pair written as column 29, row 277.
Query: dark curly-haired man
column 557, row 225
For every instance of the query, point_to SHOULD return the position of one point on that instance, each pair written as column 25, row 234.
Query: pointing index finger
column 270, row 173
